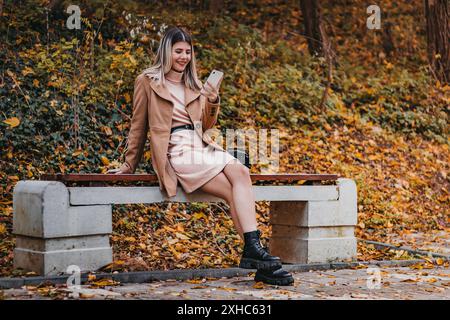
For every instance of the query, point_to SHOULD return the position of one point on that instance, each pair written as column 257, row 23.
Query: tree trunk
column 215, row 6
column 312, row 22
column 438, row 38
column 387, row 39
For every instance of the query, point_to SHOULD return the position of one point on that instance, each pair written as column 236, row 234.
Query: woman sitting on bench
column 167, row 100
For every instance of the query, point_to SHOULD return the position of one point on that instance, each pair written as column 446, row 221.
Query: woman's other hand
column 114, row 171
column 118, row 171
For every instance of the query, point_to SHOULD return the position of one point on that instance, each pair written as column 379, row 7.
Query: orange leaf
column 12, row 122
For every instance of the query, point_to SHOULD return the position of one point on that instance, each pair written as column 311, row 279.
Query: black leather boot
column 255, row 256
column 278, row 277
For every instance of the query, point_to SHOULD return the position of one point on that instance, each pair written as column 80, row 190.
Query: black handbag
column 241, row 155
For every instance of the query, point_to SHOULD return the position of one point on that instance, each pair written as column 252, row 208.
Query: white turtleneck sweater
column 175, row 85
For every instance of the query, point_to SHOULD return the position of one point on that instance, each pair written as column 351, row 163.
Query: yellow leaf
column 105, row 160
column 127, row 97
column 2, row 228
column 12, row 122
column 76, row 153
column 244, row 103
column 132, row 60
column 91, row 277
column 105, row 282
column 27, row 70
column 410, row 280
column 227, row 289
column 195, row 281
column 439, row 261
column 107, row 130
column 35, row 82
column 199, row 215
column 181, row 236
column 428, row 260
column 147, row 155
column 259, row 285
column 130, row 239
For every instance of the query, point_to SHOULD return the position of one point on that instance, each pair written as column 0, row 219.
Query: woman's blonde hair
column 163, row 60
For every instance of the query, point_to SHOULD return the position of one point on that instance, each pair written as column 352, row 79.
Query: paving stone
column 345, row 284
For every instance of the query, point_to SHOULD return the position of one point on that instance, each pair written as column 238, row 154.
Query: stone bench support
column 315, row 231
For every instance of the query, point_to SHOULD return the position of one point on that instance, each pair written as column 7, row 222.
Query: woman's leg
column 238, row 185
column 243, row 197
column 219, row 186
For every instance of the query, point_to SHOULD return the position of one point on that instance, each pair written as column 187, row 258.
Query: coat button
column 197, row 125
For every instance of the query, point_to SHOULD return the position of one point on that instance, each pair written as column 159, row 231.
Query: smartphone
column 215, row 79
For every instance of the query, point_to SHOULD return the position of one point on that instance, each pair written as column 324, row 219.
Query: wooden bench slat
column 94, row 177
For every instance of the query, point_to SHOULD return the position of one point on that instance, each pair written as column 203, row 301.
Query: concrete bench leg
column 316, row 231
column 52, row 235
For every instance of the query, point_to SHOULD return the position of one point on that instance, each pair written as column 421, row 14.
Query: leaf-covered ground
column 65, row 102
column 401, row 189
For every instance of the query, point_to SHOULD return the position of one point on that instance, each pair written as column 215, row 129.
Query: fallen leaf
column 259, row 285
column 104, row 282
column 12, row 122
column 181, row 236
column 105, row 160
column 195, row 281
column 227, row 289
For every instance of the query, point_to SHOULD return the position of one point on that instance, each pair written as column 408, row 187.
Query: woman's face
column 181, row 55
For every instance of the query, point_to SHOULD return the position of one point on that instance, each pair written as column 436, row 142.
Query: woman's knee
column 219, row 186
column 236, row 172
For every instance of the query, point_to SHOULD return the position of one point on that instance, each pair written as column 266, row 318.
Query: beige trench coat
column 152, row 109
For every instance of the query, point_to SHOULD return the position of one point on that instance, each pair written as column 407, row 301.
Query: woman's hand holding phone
column 211, row 87
column 210, row 92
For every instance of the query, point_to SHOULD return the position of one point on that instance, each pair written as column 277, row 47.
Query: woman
column 168, row 102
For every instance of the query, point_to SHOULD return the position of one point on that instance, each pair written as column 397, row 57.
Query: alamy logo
column 74, row 20
column 374, row 279
column 73, row 282
column 374, row 20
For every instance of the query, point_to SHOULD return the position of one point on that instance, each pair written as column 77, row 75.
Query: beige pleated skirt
column 194, row 161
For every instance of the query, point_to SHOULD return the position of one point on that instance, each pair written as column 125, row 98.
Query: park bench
column 57, row 224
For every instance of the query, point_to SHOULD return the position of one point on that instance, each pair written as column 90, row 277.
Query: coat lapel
column 189, row 96
column 162, row 91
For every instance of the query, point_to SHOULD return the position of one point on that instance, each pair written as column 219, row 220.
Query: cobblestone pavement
column 436, row 241
column 362, row 283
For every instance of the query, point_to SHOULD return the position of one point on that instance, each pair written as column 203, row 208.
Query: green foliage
column 72, row 90
column 401, row 101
